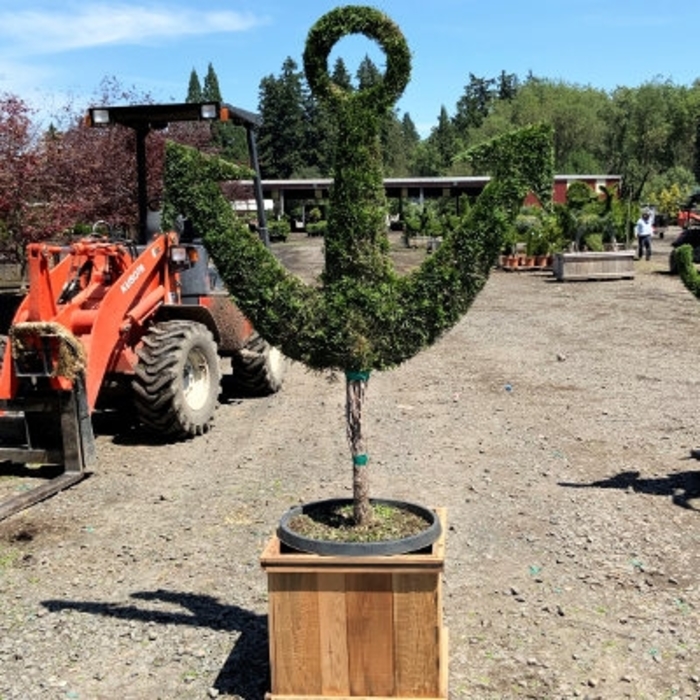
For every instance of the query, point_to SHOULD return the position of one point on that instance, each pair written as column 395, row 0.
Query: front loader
column 102, row 316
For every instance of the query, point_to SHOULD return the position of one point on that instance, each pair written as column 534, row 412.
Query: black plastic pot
column 414, row 543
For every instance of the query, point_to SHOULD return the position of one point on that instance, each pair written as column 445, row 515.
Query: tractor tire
column 177, row 379
column 259, row 368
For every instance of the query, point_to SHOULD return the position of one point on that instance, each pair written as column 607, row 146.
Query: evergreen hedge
column 683, row 259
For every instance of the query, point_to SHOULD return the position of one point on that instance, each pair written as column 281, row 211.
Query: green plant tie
column 357, row 376
column 360, row 460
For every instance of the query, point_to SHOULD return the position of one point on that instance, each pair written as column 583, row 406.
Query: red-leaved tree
column 56, row 184
column 18, row 172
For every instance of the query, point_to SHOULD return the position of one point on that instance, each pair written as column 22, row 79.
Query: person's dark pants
column 645, row 246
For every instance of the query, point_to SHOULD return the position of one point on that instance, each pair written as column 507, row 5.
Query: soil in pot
column 328, row 527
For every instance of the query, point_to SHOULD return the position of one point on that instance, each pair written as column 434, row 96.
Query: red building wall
column 562, row 182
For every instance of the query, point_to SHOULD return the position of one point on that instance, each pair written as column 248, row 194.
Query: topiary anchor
column 363, row 315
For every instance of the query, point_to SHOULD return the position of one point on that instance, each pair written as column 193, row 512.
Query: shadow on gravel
column 683, row 487
column 247, row 669
column 47, row 471
column 119, row 422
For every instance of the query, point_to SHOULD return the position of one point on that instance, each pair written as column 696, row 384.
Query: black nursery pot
column 413, row 543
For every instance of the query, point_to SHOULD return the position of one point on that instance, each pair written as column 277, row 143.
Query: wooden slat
column 444, row 666
column 333, row 644
column 369, row 603
column 273, row 560
column 294, row 646
column 416, row 642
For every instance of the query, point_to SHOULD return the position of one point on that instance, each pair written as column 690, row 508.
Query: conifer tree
column 194, row 88
column 210, row 89
column 281, row 137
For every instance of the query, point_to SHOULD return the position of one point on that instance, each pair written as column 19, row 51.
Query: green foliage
column 649, row 130
column 552, row 237
column 669, row 200
column 476, row 103
column 590, row 220
column 364, row 316
column 316, row 228
column 282, row 138
column 523, row 158
column 194, row 88
column 210, row 89
column 593, row 242
column 538, row 229
column 279, row 229
column 528, row 228
column 683, row 260
column 314, row 215
column 579, row 195
column 431, row 218
column 299, row 135
column 634, row 132
column 412, row 218
column 355, row 19
column 669, row 190
column 356, row 241
column 696, row 153
column 206, row 199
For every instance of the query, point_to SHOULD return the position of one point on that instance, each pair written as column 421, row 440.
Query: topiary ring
column 348, row 20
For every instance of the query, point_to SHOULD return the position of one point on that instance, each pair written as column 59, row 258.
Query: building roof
column 414, row 186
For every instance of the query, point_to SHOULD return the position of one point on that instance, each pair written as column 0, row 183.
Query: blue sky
column 53, row 51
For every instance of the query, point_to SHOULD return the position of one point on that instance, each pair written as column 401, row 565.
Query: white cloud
column 56, row 30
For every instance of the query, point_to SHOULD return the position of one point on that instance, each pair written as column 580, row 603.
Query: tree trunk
column 356, row 385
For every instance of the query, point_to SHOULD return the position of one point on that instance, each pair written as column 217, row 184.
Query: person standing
column 644, row 230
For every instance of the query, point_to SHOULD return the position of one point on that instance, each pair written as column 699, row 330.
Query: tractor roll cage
column 146, row 118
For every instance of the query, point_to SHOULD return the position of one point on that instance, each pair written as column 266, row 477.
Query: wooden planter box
column 348, row 627
column 594, row 266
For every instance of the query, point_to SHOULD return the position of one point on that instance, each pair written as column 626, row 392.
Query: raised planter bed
column 356, row 626
column 594, row 266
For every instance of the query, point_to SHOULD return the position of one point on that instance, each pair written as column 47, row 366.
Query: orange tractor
column 145, row 315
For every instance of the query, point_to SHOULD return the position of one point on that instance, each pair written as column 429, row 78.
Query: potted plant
column 363, row 317
column 509, row 257
column 540, row 229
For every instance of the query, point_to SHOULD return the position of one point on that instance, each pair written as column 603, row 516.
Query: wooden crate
column 348, row 627
column 594, row 266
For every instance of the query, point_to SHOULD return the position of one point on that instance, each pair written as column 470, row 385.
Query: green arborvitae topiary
column 364, row 316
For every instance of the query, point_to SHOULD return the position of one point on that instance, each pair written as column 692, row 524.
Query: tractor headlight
column 99, row 117
column 183, row 257
column 178, row 255
column 209, row 111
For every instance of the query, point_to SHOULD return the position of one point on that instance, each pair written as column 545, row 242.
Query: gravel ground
column 554, row 424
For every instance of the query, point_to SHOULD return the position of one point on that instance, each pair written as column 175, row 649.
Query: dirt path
column 554, row 423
